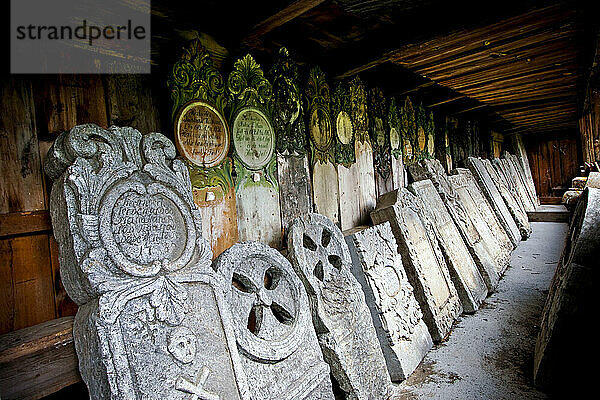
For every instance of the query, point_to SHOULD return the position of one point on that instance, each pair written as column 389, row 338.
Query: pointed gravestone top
column 149, row 323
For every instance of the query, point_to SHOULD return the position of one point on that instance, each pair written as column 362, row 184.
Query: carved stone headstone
column 495, row 237
column 516, row 170
column 515, row 210
column 523, row 161
column 473, row 230
column 271, row 318
column 150, row 323
column 492, row 194
column 253, row 141
column 340, row 315
column 397, row 317
column 202, row 138
column 320, row 131
column 465, row 275
column 422, row 257
column 509, row 182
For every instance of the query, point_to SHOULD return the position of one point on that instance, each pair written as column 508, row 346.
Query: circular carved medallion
column 201, row 134
column 345, row 131
column 253, row 138
column 320, row 129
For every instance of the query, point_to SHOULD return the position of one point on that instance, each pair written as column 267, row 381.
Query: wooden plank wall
column 554, row 162
column 34, row 111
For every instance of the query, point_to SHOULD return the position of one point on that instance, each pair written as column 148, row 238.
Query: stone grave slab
column 397, row 317
column 272, row 322
column 422, row 257
column 563, row 343
column 516, row 170
column 465, row 275
column 494, row 236
column 151, row 322
column 593, row 180
column 516, row 211
column 492, row 194
column 523, row 161
column 507, row 180
column 340, row 314
column 473, row 230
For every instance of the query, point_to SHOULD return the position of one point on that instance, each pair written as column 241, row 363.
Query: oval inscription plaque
column 253, row 138
column 379, row 132
column 201, row 134
column 320, row 129
column 394, row 139
column 345, row 131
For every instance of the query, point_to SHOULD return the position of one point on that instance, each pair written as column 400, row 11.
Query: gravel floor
column 489, row 355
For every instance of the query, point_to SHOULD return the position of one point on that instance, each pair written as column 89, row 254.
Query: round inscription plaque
column 345, row 131
column 320, row 129
column 201, row 134
column 253, row 138
column 394, row 139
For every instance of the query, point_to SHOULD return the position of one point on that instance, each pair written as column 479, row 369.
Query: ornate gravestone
column 421, row 136
column 397, row 317
column 517, row 213
column 398, row 172
column 345, row 158
column 380, row 139
column 522, row 160
column 340, row 315
column 473, row 230
column 295, row 192
column 150, row 323
column 492, row 194
column 430, row 133
column 253, row 140
column 363, row 149
column 422, row 257
column 509, row 183
column 465, row 275
column 272, row 323
column 513, row 167
column 495, row 237
column 408, row 126
column 320, row 130
column 202, row 139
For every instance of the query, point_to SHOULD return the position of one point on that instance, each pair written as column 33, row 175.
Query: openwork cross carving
column 323, row 254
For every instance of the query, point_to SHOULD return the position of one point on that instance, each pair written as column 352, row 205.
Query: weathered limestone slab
column 563, row 344
column 492, row 194
column 508, row 176
column 473, row 231
column 517, row 213
column 465, row 275
column 593, row 180
column 271, row 319
column 150, row 323
column 523, row 161
column 494, row 236
column 397, row 317
column 516, row 170
column 422, row 257
column 341, row 317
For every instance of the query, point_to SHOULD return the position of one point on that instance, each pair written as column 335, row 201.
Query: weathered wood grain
column 349, row 196
column 294, row 187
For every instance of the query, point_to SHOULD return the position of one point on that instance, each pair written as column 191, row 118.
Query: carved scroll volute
column 288, row 111
column 251, row 120
column 320, row 129
column 344, row 129
column 378, row 132
column 395, row 129
column 358, row 96
column 409, row 129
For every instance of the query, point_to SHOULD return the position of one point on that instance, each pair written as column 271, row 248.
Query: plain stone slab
column 562, row 349
column 422, row 257
column 513, row 206
column 397, row 317
column 271, row 318
column 492, row 194
column 473, row 230
column 465, row 275
column 593, row 180
column 151, row 322
column 340, row 314
column 494, row 236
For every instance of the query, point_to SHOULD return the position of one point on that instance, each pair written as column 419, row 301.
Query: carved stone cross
column 197, row 391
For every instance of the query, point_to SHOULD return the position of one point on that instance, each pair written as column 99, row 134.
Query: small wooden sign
column 253, row 138
column 201, row 134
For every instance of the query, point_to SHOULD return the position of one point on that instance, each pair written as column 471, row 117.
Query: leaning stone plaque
column 271, row 318
column 340, row 315
column 472, row 228
column 397, row 317
column 495, row 237
column 422, row 257
column 465, row 275
column 150, row 323
column 492, row 194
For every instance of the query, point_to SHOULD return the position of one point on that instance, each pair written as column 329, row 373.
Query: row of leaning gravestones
column 261, row 151
column 158, row 319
